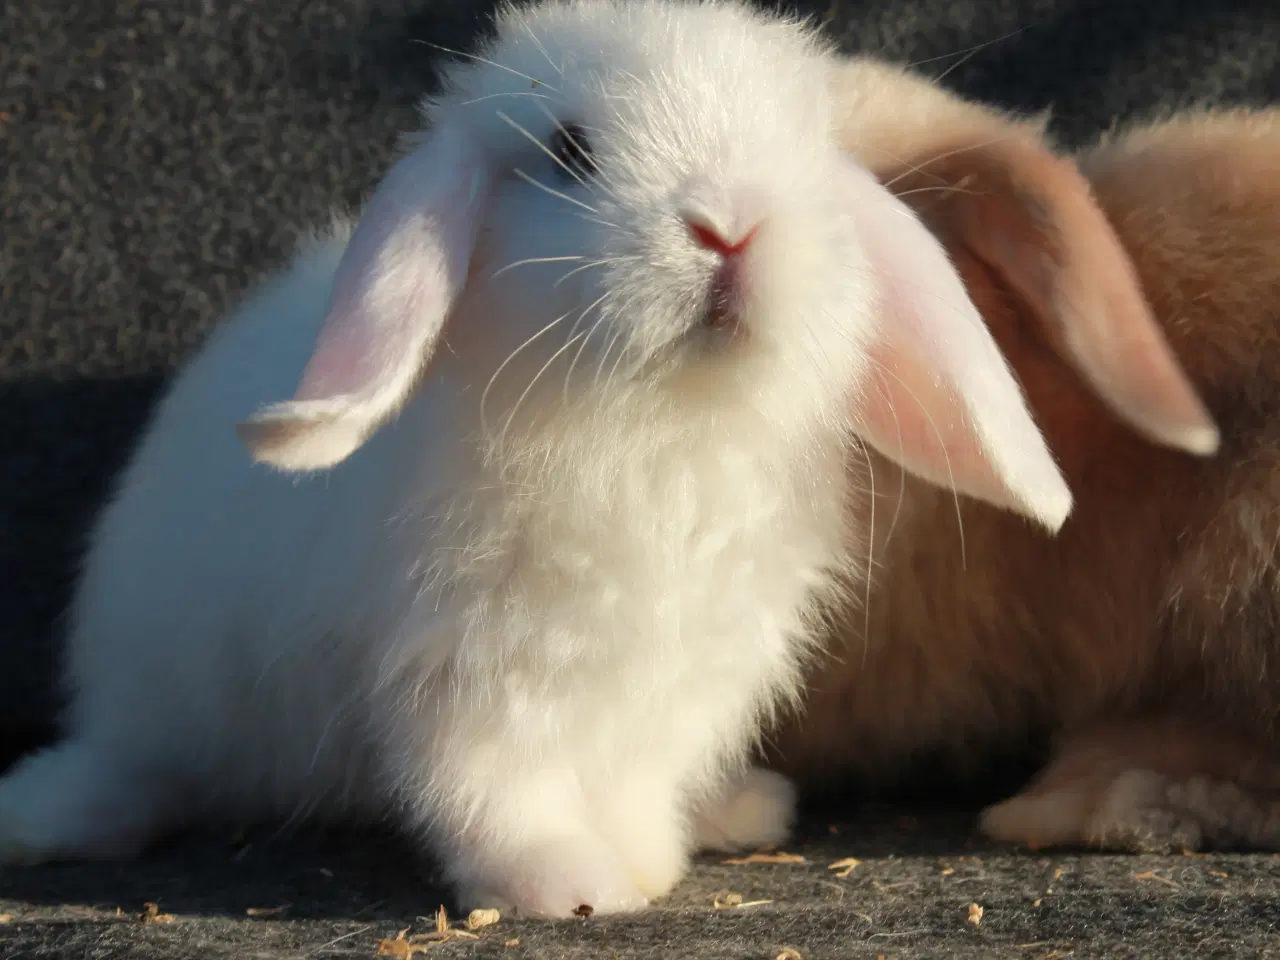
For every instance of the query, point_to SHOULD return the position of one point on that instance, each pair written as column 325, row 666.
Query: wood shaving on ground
column 1219, row 873
column 482, row 918
column 734, row 901
column 789, row 953
column 845, row 866
column 975, row 914
column 403, row 946
column 513, row 942
column 948, row 871
column 268, row 911
column 151, row 914
column 400, row 948
column 761, row 857
column 6, row 917
column 1151, row 875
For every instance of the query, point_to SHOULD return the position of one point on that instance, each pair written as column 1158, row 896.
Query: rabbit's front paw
column 552, row 879
column 69, row 802
column 753, row 811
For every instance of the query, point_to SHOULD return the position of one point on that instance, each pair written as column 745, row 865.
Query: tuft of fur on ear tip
column 296, row 440
column 1053, row 507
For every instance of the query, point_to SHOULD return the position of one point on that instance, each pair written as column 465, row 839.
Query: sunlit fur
column 1138, row 646
column 540, row 616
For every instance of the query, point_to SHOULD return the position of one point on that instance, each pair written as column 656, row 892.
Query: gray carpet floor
column 158, row 157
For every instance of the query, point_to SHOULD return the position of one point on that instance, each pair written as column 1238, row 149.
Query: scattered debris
column 761, row 857
column 482, row 918
column 403, row 947
column 948, row 871
column 975, row 914
column 845, row 866
column 268, row 911
column 1058, row 872
column 326, row 872
column 151, row 914
column 6, row 917
column 1036, row 902
column 789, row 953
column 400, row 948
column 734, row 901
column 1152, row 875
column 513, row 942
column 583, row 910
column 1219, row 873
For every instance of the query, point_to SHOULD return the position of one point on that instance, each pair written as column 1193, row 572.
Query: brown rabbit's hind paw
column 1138, row 811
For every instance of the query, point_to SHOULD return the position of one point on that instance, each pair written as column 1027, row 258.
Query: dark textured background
column 159, row 157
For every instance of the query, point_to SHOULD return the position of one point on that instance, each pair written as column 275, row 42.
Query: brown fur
column 1143, row 637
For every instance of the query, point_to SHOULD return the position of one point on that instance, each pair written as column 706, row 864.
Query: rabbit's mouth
column 723, row 311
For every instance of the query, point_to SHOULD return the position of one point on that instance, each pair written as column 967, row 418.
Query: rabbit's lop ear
column 394, row 286
column 939, row 398
column 1030, row 216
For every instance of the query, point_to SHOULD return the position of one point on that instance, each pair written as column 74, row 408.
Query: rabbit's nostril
column 709, row 238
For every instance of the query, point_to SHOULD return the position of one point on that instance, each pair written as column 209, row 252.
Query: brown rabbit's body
column 1144, row 639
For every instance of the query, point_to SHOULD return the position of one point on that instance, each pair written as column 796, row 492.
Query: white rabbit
column 535, row 547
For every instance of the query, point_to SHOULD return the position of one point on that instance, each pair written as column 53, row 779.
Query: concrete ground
column 156, row 158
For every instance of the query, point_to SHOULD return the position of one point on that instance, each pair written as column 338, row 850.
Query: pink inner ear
column 1068, row 263
column 406, row 263
column 941, row 400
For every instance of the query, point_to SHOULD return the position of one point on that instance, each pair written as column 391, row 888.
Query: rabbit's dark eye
column 572, row 148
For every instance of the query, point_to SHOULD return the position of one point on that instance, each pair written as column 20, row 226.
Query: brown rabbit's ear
column 989, row 183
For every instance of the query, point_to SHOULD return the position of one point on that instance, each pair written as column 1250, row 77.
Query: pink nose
column 711, row 239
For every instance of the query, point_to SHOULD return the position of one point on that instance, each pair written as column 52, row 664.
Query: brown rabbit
column 1144, row 639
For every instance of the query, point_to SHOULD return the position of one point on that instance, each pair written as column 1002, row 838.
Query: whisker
column 585, row 340
column 871, row 552
column 934, row 159
column 543, row 147
column 538, row 43
column 479, row 59
column 951, row 478
column 969, row 55
column 514, row 410
column 555, row 193
column 603, row 223
column 942, row 188
column 586, row 266
column 902, row 471
column 508, row 93
column 560, row 126
column 613, row 371
column 608, row 348
column 511, row 356
column 520, row 263
column 967, row 50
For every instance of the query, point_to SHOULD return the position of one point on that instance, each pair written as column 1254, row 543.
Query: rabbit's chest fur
column 652, row 595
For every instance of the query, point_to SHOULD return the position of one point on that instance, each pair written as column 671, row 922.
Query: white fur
column 540, row 616
column 539, row 642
